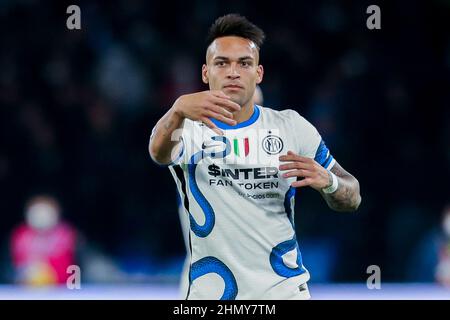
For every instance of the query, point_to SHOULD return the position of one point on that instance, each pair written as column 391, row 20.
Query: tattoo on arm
column 346, row 197
column 167, row 128
column 168, row 125
column 160, row 148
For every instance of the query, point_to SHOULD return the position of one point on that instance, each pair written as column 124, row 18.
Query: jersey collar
column 246, row 123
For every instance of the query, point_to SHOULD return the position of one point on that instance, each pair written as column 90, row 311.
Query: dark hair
column 235, row 25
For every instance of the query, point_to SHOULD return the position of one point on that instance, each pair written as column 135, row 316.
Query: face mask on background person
column 42, row 216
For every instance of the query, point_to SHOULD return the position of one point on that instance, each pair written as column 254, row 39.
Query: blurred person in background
column 43, row 246
column 429, row 260
column 442, row 272
column 258, row 97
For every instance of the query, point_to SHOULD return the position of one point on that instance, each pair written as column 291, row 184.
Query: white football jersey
column 240, row 209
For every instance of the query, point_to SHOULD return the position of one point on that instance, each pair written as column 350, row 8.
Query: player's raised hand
column 201, row 106
column 315, row 176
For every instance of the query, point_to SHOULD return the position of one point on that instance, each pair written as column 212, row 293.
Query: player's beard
column 241, row 99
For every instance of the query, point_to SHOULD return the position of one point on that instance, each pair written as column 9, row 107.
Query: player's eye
column 245, row 63
column 220, row 63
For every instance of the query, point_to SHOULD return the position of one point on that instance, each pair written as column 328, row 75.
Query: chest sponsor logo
column 245, row 178
column 243, row 173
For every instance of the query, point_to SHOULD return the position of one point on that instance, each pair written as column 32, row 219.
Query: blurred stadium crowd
column 77, row 108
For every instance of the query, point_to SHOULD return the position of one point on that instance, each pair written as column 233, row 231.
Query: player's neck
column 245, row 113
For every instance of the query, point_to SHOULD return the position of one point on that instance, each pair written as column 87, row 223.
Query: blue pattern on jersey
column 213, row 265
column 287, row 204
column 323, row 156
column 205, row 229
column 330, row 158
column 276, row 259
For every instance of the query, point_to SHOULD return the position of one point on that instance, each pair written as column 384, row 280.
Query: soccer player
column 237, row 166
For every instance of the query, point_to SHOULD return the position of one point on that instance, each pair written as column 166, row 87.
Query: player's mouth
column 233, row 87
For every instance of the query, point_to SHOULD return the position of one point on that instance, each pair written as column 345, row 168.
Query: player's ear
column 205, row 74
column 260, row 74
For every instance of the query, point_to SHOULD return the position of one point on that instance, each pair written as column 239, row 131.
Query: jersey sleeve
column 310, row 143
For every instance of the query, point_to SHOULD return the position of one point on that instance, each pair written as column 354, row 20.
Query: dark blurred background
column 77, row 108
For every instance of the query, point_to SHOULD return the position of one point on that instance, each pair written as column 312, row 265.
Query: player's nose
column 233, row 73
column 233, row 76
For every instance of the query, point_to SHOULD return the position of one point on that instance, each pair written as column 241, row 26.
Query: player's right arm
column 200, row 106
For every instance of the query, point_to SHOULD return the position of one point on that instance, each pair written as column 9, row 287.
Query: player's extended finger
column 226, row 103
column 219, row 94
column 297, row 173
column 220, row 110
column 302, row 183
column 290, row 156
column 294, row 165
column 212, row 126
column 220, row 117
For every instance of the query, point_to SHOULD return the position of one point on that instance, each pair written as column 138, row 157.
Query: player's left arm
column 347, row 195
